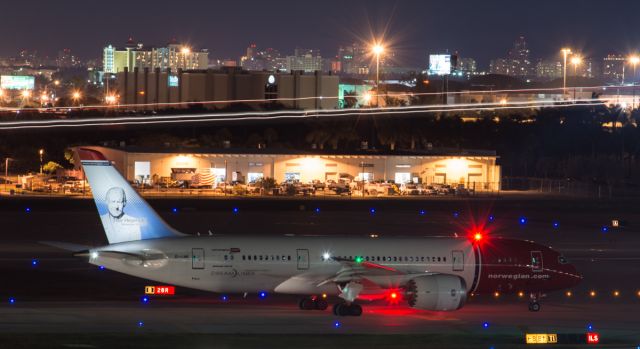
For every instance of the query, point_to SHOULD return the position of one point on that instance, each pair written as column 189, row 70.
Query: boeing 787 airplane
column 434, row 274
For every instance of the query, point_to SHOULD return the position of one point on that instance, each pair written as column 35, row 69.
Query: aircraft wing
column 370, row 275
column 357, row 270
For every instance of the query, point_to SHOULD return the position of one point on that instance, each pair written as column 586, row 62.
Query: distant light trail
column 314, row 112
column 283, row 99
column 187, row 119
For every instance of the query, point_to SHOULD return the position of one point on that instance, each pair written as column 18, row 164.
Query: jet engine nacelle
column 436, row 292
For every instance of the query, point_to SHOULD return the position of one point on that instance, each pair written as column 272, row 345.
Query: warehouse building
column 476, row 169
column 179, row 89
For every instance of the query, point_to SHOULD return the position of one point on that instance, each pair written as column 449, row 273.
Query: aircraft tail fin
column 125, row 215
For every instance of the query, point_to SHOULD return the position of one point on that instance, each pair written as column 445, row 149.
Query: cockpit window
column 562, row 260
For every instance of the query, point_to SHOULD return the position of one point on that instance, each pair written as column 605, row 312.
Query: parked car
column 318, row 185
column 340, row 187
column 410, row 189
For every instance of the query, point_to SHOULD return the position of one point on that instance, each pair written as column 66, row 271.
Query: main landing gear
column 344, row 309
column 534, row 302
column 313, row 303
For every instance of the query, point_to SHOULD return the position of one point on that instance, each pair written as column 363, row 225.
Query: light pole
column 6, row 172
column 41, row 152
column 378, row 49
column 634, row 60
column 75, row 96
column 576, row 61
column 566, row 52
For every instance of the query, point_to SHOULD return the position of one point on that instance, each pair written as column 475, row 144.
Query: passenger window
column 422, row 259
column 288, row 258
column 243, row 257
column 562, row 260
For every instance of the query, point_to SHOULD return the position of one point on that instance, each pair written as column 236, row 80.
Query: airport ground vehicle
column 427, row 273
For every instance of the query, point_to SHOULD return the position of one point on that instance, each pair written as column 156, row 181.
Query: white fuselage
column 291, row 265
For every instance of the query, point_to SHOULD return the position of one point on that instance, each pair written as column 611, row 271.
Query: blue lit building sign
column 174, row 81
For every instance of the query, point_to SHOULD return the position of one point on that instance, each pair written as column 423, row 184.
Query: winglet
column 90, row 154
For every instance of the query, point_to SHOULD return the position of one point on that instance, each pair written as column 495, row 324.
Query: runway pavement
column 63, row 295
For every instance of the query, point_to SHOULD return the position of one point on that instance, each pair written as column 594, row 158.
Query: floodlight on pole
column 566, row 52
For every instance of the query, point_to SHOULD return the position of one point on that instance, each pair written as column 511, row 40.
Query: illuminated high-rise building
column 173, row 56
column 613, row 68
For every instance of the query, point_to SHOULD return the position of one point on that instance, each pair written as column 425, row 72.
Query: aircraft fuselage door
column 197, row 258
column 303, row 259
column 536, row 261
column 458, row 260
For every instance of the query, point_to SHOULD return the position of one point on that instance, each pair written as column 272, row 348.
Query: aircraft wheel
column 307, row 304
column 355, row 310
column 321, row 304
column 534, row 306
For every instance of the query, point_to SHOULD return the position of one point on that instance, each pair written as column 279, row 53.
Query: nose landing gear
column 534, row 302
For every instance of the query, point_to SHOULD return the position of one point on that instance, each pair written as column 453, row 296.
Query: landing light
column 326, row 256
column 94, row 255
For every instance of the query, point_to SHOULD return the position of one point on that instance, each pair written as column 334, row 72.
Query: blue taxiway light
column 604, row 229
column 590, row 327
column 27, row 210
column 101, row 267
column 12, row 300
column 337, row 324
column 317, row 209
column 372, row 210
column 144, row 300
column 140, row 323
column 556, row 225
column 491, row 218
column 224, row 298
column 236, row 210
column 422, row 212
column 174, row 210
column 262, row 294
column 522, row 220
column 34, row 262
column 485, row 324
column 456, row 214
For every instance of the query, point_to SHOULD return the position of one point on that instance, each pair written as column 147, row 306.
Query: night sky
column 478, row 29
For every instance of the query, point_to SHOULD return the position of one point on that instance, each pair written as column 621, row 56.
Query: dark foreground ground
column 64, row 302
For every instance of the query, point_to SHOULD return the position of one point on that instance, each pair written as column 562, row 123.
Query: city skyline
column 411, row 28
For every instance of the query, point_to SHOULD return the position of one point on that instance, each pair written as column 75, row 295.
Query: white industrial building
column 473, row 169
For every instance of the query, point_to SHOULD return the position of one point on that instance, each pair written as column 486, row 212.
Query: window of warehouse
column 403, row 177
column 292, row 176
column 142, row 171
column 254, row 176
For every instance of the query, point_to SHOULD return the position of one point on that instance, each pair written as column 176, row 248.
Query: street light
column 6, row 172
column 377, row 50
column 41, row 152
column 634, row 60
column 566, row 52
column 75, row 96
column 576, row 61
